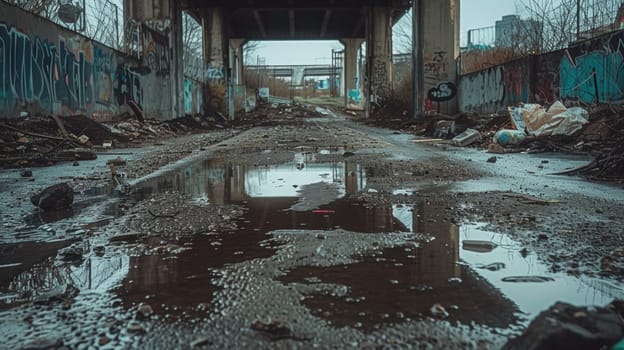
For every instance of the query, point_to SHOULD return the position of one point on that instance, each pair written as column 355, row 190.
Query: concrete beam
column 326, row 19
column 291, row 22
column 259, row 23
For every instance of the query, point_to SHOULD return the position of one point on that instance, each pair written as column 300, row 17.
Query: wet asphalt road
column 250, row 245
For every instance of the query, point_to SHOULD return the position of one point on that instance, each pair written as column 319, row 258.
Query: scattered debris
column 478, row 246
column 527, row 279
column 468, row 137
column 495, row 266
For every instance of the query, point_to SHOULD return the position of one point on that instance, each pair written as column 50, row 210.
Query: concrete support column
column 163, row 17
column 236, row 61
column 441, row 52
column 216, row 56
column 238, row 89
column 378, row 54
column 177, row 60
column 351, row 73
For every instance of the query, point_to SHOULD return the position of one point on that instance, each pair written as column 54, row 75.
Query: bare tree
column 44, row 8
column 102, row 22
column 250, row 49
column 402, row 34
column 558, row 21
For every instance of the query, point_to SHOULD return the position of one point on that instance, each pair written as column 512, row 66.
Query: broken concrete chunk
column 55, row 197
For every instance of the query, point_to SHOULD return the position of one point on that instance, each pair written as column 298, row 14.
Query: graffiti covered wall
column 590, row 72
column 489, row 90
column 593, row 71
column 47, row 69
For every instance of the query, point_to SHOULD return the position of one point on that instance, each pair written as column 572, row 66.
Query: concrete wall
column 492, row 89
column 590, row 71
column 48, row 69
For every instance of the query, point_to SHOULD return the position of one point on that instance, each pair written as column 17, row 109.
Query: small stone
column 44, row 343
column 348, row 154
column 437, row 310
column 542, row 237
column 103, row 340
column 492, row 160
column 144, row 311
column 320, row 236
column 455, row 280
column 136, row 329
column 99, row 250
column 76, row 164
column 200, row 342
column 26, row 173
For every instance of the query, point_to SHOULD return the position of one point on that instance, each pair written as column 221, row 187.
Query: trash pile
column 598, row 132
column 533, row 128
column 45, row 140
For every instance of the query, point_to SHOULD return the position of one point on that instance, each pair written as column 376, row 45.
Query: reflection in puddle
column 184, row 283
column 531, row 297
column 405, row 282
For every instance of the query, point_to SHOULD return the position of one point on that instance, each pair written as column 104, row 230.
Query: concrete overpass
column 228, row 24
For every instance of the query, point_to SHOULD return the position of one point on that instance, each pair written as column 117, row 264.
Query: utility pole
column 418, row 78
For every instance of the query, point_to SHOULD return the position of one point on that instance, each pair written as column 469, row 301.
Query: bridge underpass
column 228, row 25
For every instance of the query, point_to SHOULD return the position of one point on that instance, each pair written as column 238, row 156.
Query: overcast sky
column 474, row 14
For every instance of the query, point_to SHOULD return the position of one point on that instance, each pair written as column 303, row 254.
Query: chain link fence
column 96, row 19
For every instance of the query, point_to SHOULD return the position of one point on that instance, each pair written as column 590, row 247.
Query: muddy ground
column 306, row 232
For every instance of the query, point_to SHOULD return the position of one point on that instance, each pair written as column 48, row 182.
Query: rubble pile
column 44, row 140
column 273, row 114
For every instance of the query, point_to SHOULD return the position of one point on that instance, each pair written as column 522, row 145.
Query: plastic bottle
column 506, row 137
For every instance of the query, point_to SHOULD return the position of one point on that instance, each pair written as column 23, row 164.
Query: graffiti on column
column 379, row 79
column 215, row 75
column 444, row 91
column 128, row 85
column 156, row 55
column 436, row 65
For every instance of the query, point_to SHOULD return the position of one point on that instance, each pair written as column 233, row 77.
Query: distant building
column 513, row 32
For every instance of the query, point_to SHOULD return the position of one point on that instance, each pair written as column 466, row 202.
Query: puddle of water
column 531, row 297
column 406, row 282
